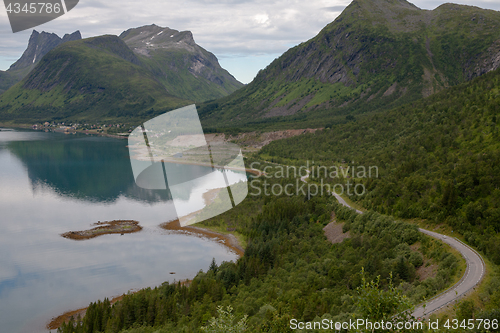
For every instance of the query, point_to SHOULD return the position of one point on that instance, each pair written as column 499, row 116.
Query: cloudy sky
column 245, row 35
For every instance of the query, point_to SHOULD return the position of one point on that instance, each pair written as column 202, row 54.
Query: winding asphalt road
column 473, row 274
column 471, row 278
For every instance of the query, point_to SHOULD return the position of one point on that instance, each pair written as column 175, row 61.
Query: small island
column 229, row 240
column 104, row 228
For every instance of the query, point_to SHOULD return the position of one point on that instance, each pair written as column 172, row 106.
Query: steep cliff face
column 485, row 62
column 376, row 54
column 183, row 67
column 376, row 36
column 39, row 45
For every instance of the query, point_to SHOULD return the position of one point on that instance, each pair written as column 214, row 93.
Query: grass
column 462, row 264
column 441, row 228
column 449, row 312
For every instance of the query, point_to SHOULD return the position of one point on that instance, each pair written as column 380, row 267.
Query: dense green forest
column 438, row 159
column 289, row 270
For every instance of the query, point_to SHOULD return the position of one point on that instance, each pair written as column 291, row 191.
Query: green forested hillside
column 142, row 73
column 438, row 159
column 289, row 270
column 376, row 55
column 6, row 81
column 92, row 79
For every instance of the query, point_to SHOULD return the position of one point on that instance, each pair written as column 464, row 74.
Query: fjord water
column 51, row 183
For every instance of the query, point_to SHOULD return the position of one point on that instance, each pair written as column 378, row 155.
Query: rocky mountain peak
column 174, row 56
column 39, row 45
column 145, row 39
column 70, row 37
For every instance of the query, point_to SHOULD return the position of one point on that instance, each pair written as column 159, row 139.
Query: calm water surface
column 51, row 183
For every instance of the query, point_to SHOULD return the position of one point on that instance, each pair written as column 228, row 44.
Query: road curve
column 471, row 278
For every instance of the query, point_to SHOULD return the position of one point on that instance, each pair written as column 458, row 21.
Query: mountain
column 183, row 67
column 145, row 71
column 377, row 54
column 39, row 44
column 96, row 78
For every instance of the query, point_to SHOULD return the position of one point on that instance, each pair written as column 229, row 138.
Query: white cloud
column 262, row 19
